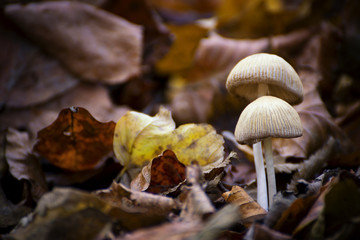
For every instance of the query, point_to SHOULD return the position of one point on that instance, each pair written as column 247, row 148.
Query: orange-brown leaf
column 75, row 141
column 166, row 172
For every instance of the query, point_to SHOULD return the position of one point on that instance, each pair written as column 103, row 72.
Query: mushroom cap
column 265, row 117
column 282, row 80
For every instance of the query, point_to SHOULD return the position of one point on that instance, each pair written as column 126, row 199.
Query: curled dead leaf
column 70, row 30
column 163, row 174
column 23, row 165
column 249, row 210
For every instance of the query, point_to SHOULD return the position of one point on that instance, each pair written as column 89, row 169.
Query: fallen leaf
column 317, row 122
column 249, row 210
column 181, row 54
column 65, row 210
column 139, row 138
column 163, row 174
column 36, row 118
column 75, row 141
column 197, row 204
column 185, row 6
column 172, row 231
column 293, row 215
column 220, row 221
column 134, row 200
column 26, row 72
column 262, row 232
column 243, row 19
column 157, row 39
column 10, row 214
column 217, row 55
column 99, row 47
column 23, row 165
column 309, row 168
column 335, row 212
column 190, row 102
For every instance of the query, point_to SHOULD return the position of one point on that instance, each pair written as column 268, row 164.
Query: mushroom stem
column 262, row 197
column 270, row 169
column 263, row 89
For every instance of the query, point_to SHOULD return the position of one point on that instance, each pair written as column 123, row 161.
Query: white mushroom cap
column 262, row 68
column 265, row 117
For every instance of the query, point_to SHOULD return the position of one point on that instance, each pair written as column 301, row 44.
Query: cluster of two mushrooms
column 272, row 85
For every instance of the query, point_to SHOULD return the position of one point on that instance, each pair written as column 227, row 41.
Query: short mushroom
column 263, row 119
column 259, row 75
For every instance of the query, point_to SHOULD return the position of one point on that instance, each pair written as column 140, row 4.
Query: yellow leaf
column 139, row 138
column 135, row 125
column 181, row 54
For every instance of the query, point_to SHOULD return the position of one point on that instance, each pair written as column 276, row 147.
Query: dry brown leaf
column 163, row 174
column 197, row 204
column 23, row 165
column 317, row 123
column 99, row 47
column 78, row 214
column 191, row 102
column 217, row 55
column 258, row 18
column 249, row 210
column 262, row 232
column 157, row 38
column 171, row 231
column 38, row 117
column 181, row 54
column 293, row 215
column 26, row 71
column 121, row 196
column 11, row 213
column 75, row 141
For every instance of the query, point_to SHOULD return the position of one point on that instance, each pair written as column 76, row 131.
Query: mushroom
column 259, row 75
column 263, row 119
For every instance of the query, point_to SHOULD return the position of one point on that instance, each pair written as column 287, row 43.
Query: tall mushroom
column 260, row 75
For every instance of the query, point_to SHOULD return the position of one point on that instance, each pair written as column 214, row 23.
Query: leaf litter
column 164, row 171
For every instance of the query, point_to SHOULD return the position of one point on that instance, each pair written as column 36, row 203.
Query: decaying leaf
column 10, row 214
column 88, row 41
column 75, row 141
column 78, row 214
column 217, row 55
column 262, row 232
column 26, row 72
column 197, row 204
column 36, row 118
column 23, row 165
column 139, row 138
column 134, row 200
column 335, row 213
column 157, row 39
column 254, row 19
column 163, row 174
column 307, row 169
column 190, row 102
column 181, row 54
column 249, row 210
column 317, row 122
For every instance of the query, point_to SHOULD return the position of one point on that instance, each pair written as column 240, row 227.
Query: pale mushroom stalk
column 262, row 193
column 271, row 180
